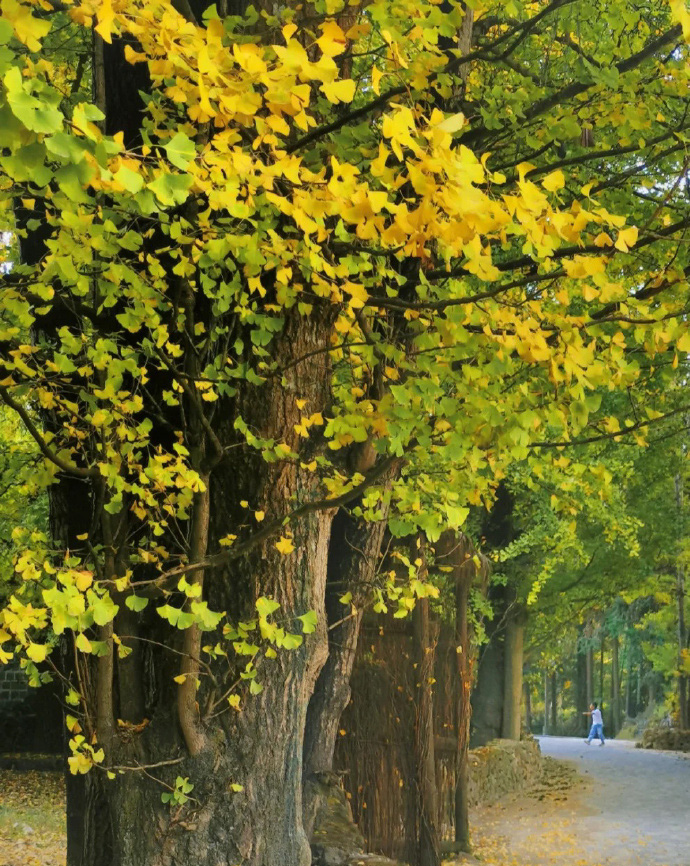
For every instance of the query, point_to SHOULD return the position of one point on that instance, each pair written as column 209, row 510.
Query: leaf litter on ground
column 32, row 818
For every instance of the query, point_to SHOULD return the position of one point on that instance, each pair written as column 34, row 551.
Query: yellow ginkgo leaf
column 339, row 91
column 82, row 643
column 37, row 652
column 376, row 76
column 626, row 238
column 332, row 40
column 453, row 123
column 284, row 546
column 554, row 181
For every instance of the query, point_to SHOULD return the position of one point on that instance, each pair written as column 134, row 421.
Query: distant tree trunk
column 581, row 705
column 629, row 713
column 615, row 687
column 682, row 648
column 512, row 674
column 424, row 737
column 638, row 692
column 546, row 727
column 528, row 705
column 554, row 703
column 651, row 691
column 590, row 675
column 601, row 669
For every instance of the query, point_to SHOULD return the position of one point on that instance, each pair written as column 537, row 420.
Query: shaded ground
column 632, row 808
column 32, row 823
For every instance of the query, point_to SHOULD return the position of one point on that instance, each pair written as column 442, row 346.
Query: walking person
column 597, row 729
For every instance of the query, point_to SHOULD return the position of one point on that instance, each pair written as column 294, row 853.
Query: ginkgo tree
column 275, row 262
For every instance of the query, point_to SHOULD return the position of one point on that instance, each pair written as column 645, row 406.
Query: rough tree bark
column 454, row 550
column 260, row 748
column 425, row 651
column 463, row 583
column 682, row 636
column 353, row 561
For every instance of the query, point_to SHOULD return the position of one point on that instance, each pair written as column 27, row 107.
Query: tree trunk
column 601, row 669
column 454, row 550
column 682, row 636
column 638, row 692
column 651, row 689
column 615, row 687
column 259, row 748
column 581, row 705
column 528, row 705
column 682, row 649
column 590, row 675
column 353, row 560
column 512, row 690
column 554, row 703
column 424, row 737
column 629, row 714
column 487, row 694
column 547, row 726
column 463, row 583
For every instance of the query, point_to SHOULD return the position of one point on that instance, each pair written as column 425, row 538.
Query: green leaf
column 136, row 602
column 38, row 115
column 309, row 621
column 180, row 150
column 129, row 179
column 291, row 641
column 171, row 189
column 266, row 606
column 6, row 31
column 103, row 608
column 176, row 617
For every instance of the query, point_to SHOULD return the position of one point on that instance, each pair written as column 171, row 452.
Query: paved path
column 634, row 810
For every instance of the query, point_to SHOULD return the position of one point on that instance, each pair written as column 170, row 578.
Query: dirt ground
column 629, row 807
column 32, row 822
column 611, row 806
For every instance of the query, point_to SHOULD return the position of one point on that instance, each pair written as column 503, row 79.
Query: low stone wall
column 501, row 767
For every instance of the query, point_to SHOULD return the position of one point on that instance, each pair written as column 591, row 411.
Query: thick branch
column 631, row 428
column 276, row 525
column 65, row 465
